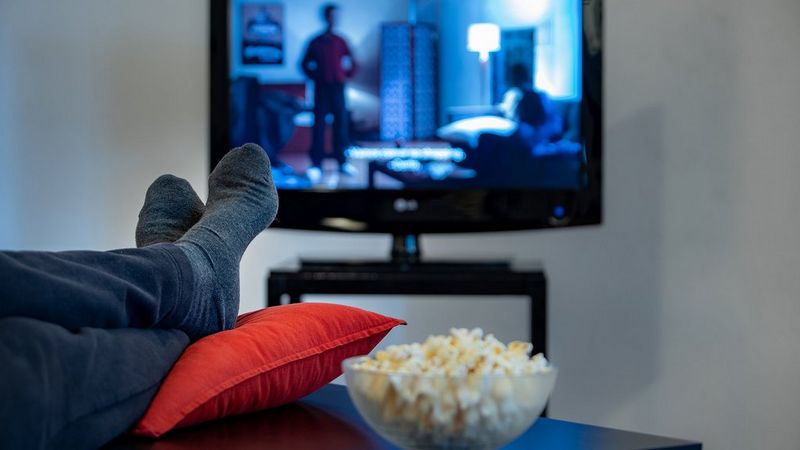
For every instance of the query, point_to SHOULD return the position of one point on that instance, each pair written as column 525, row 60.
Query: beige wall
column 678, row 316
column 100, row 98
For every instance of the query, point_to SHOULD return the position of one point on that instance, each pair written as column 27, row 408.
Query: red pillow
column 273, row 356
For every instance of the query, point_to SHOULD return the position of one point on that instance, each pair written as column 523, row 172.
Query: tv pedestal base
column 429, row 278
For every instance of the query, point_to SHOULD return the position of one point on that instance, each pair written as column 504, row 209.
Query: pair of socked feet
column 242, row 202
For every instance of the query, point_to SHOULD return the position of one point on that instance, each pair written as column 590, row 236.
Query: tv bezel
column 374, row 211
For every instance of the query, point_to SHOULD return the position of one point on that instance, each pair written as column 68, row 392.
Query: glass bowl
column 448, row 412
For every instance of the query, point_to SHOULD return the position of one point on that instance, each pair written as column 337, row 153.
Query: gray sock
column 170, row 208
column 242, row 202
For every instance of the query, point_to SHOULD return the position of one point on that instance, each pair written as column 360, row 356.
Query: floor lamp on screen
column 484, row 39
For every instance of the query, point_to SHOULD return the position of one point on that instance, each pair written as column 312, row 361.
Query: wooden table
column 328, row 420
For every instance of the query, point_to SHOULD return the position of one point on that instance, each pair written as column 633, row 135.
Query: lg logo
column 402, row 205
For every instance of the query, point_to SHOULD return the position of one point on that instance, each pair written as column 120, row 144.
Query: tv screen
column 402, row 98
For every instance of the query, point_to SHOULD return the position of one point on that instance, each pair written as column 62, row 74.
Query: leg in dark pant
column 76, row 390
column 192, row 285
column 341, row 122
column 86, row 337
column 322, row 107
column 133, row 288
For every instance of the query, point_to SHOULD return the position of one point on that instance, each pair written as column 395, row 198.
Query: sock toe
column 171, row 208
column 245, row 173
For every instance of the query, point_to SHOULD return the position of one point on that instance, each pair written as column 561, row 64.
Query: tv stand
column 409, row 276
column 405, row 248
column 406, row 256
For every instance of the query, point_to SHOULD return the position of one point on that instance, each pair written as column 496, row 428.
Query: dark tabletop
column 328, row 420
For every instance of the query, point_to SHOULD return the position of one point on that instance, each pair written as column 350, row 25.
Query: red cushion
column 273, row 356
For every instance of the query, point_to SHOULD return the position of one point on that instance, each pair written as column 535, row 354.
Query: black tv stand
column 404, row 275
column 406, row 256
column 392, row 266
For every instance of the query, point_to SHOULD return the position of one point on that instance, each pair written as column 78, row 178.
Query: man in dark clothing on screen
column 329, row 63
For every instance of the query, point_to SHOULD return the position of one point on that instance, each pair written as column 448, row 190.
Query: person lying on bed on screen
column 509, row 160
column 534, row 111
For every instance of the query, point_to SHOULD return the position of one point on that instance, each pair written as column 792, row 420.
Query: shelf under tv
column 405, row 257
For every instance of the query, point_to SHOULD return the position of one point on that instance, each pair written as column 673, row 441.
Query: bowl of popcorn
column 460, row 391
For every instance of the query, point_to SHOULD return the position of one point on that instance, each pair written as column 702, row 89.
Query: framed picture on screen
column 262, row 33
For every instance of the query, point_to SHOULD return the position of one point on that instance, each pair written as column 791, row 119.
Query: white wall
column 8, row 233
column 7, row 182
column 679, row 316
column 97, row 99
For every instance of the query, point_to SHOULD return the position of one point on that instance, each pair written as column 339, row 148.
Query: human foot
column 171, row 208
column 242, row 202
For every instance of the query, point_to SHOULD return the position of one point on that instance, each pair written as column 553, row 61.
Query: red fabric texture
column 273, row 356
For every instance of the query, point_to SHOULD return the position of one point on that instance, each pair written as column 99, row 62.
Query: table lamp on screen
column 484, row 39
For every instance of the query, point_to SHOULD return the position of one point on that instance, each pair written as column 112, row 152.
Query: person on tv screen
column 532, row 109
column 511, row 160
column 329, row 63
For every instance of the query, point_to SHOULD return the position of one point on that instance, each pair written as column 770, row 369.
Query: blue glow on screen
column 558, row 40
column 431, row 104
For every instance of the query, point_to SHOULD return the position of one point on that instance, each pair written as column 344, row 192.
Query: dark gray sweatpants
column 85, row 340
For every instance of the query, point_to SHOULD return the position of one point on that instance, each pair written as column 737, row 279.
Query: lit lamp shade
column 483, row 38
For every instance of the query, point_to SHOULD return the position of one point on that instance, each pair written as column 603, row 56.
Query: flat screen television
column 415, row 116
